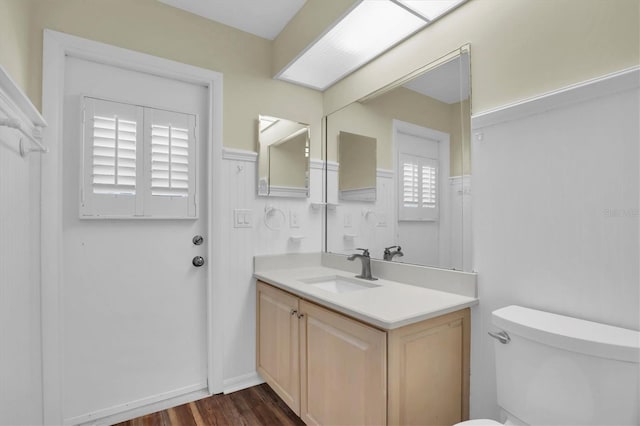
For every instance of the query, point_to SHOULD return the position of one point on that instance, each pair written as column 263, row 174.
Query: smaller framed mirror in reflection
column 357, row 167
column 283, row 157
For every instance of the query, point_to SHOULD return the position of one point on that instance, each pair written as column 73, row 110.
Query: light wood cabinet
column 429, row 371
column 343, row 369
column 332, row 369
column 278, row 359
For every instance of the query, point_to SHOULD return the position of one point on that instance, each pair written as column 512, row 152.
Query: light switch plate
column 294, row 220
column 242, row 218
column 347, row 220
column 382, row 220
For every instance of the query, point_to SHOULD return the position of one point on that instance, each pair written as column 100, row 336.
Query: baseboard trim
column 237, row 383
column 141, row 407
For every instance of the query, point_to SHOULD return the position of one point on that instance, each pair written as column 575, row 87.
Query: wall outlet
column 294, row 220
column 242, row 218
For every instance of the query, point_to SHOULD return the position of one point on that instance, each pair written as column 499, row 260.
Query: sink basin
column 338, row 284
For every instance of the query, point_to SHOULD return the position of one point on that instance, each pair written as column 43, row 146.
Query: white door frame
column 56, row 47
column 444, row 151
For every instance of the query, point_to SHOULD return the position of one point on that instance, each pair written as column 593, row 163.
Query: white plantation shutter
column 111, row 164
column 419, row 188
column 429, row 184
column 169, row 161
column 171, row 164
column 114, row 155
column 138, row 162
column 410, row 188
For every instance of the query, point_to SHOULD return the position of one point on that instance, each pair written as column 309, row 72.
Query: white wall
column 555, row 207
column 241, row 244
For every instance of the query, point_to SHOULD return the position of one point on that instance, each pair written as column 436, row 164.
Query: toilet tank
column 558, row 370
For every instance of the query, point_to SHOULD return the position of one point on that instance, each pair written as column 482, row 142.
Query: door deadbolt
column 198, row 261
column 197, row 240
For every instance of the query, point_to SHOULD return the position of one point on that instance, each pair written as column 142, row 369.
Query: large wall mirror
column 417, row 157
column 283, row 157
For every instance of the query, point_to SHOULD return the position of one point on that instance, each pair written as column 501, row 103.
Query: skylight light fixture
column 371, row 28
column 431, row 9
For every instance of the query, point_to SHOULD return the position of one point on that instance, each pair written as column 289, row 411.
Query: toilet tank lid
column 573, row 334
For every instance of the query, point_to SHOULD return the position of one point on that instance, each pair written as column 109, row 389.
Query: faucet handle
column 365, row 252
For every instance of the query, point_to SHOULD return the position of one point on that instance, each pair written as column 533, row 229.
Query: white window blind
column 419, row 188
column 169, row 161
column 114, row 155
column 410, row 193
column 429, row 185
column 138, row 162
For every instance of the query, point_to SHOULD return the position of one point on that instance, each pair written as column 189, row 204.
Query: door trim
column 56, row 47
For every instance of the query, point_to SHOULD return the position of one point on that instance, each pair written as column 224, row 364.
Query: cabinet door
column 343, row 365
column 278, row 360
column 429, row 371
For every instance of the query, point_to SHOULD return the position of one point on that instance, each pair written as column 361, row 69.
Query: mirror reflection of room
column 423, row 169
column 283, row 157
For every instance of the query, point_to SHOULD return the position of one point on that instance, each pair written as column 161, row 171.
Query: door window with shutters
column 418, row 188
column 138, row 162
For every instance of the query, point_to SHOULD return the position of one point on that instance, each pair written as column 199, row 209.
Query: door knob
column 198, row 261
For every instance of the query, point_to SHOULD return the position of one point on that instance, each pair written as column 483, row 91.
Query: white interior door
column 424, row 241
column 134, row 308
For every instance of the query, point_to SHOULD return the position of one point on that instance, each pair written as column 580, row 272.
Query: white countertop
column 389, row 305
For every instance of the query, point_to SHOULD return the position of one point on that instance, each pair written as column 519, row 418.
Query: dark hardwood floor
column 258, row 405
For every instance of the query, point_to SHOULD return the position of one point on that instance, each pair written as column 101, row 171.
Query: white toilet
column 557, row 370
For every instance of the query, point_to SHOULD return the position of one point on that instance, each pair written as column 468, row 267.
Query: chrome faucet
column 389, row 255
column 366, row 264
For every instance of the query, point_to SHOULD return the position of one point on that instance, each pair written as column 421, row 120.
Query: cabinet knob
column 300, row 316
column 293, row 312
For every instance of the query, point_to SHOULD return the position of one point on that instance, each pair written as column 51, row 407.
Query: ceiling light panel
column 431, row 9
column 371, row 28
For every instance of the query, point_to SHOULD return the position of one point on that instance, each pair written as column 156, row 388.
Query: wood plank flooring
column 254, row 406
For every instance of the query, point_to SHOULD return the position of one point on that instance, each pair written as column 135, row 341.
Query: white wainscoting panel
column 461, row 235
column 278, row 235
column 20, row 331
column 367, row 224
column 555, row 214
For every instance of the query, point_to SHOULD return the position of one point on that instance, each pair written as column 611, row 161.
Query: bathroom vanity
column 341, row 350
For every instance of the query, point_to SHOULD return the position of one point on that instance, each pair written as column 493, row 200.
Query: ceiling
column 443, row 83
column 264, row 18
